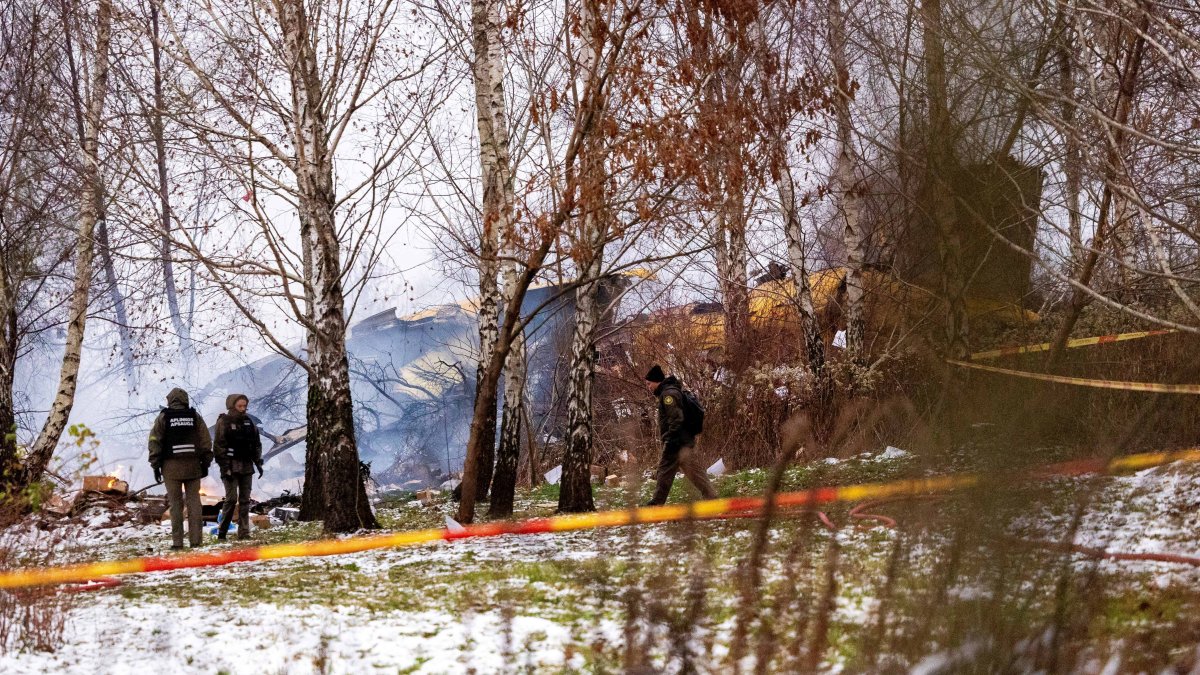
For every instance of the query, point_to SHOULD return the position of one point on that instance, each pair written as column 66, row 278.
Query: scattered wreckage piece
column 596, row 472
column 282, row 509
column 284, row 514
column 152, row 509
column 57, row 506
column 285, row 441
column 109, row 485
column 284, row 499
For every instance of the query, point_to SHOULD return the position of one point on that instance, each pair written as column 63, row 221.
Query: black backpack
column 693, row 413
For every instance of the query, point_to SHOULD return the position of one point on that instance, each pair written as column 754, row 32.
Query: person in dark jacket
column 180, row 454
column 239, row 453
column 679, row 445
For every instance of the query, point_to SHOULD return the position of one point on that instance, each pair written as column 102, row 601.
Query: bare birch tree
column 308, row 87
column 782, row 95
column 33, row 191
column 87, row 70
column 575, row 494
column 846, row 182
column 487, row 68
column 563, row 182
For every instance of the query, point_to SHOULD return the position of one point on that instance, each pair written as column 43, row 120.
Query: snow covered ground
column 1153, row 511
column 114, row 636
column 189, row 621
column 540, row 603
column 185, row 631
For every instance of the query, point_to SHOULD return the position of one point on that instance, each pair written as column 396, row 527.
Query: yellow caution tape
column 1071, row 344
column 1154, row 387
column 712, row 508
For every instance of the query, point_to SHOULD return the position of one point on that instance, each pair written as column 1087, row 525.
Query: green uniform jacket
column 186, row 465
column 671, row 415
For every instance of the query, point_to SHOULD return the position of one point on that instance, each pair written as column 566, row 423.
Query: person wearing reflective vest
column 679, row 441
column 180, row 455
column 239, row 453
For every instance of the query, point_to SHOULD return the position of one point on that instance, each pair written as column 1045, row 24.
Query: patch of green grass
column 412, row 517
column 853, row 471
column 394, row 499
column 1137, row 610
column 283, row 534
column 543, row 493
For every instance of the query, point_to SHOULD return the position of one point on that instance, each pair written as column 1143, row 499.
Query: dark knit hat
column 656, row 374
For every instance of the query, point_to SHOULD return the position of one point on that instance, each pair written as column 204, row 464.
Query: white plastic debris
column 893, row 452
column 554, row 474
column 718, row 468
column 453, row 525
column 449, row 485
column 839, row 339
column 621, row 408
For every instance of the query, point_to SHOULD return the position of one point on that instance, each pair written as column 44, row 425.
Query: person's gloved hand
column 157, row 474
column 260, row 469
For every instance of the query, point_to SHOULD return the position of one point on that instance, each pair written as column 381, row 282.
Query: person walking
column 239, row 453
column 180, row 455
column 678, row 425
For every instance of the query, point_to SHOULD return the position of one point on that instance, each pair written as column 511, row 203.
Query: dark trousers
column 237, row 493
column 176, row 502
column 684, row 460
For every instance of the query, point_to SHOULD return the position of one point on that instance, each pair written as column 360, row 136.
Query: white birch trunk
column 810, row 326
column 1072, row 161
column 312, row 502
column 487, row 68
column 89, row 211
column 8, row 364
column 504, row 481
column 331, row 417
column 1163, row 258
column 845, row 185
column 735, row 290
column 575, row 494
column 575, row 487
